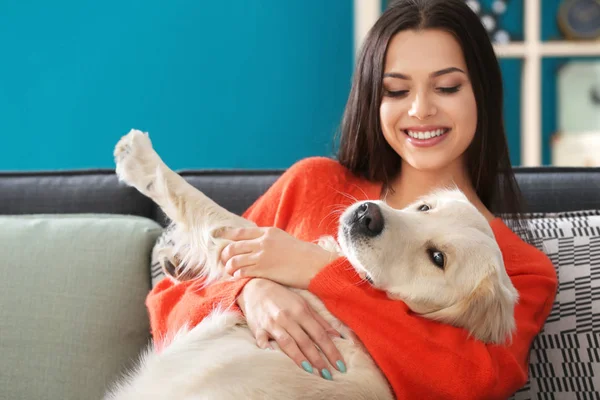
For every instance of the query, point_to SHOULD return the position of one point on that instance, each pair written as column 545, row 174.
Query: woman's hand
column 273, row 254
column 273, row 311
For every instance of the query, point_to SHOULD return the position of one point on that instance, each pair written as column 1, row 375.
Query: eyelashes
column 452, row 89
column 402, row 93
column 397, row 93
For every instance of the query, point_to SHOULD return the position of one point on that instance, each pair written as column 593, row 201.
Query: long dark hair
column 364, row 150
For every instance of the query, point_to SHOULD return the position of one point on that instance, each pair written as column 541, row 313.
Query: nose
column 368, row 219
column 422, row 108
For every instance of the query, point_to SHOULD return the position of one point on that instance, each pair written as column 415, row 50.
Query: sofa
column 75, row 250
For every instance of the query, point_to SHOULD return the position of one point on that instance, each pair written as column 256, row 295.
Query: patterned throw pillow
column 565, row 357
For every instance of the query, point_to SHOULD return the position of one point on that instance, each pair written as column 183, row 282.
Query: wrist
column 321, row 259
column 241, row 300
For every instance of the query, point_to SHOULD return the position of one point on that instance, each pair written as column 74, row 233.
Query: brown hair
column 364, row 150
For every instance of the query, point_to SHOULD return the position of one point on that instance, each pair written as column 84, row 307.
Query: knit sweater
column 421, row 359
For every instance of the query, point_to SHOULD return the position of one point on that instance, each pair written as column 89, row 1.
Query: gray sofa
column 74, row 271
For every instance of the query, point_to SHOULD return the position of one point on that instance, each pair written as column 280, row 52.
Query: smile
column 425, row 138
column 422, row 135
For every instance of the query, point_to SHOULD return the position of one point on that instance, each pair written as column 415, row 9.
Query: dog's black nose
column 368, row 219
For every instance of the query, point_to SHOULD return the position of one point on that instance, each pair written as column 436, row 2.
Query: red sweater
column 422, row 359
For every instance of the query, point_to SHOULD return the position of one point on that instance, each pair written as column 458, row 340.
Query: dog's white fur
column 218, row 359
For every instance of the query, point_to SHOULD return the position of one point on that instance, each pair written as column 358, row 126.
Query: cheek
column 466, row 114
column 388, row 113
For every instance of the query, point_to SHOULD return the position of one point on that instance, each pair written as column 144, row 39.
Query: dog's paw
column 136, row 160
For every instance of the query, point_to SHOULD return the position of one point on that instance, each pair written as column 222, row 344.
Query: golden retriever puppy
column 438, row 255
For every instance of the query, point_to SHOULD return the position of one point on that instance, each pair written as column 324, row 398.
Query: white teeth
column 426, row 135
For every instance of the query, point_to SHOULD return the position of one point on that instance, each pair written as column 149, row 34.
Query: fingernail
column 326, row 374
column 341, row 366
column 307, row 367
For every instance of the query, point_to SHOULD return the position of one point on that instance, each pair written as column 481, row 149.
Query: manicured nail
column 326, row 374
column 307, row 367
column 341, row 366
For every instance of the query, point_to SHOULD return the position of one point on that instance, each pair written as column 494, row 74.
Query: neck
column 410, row 184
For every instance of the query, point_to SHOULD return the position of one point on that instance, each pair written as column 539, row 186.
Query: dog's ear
column 175, row 270
column 169, row 269
column 487, row 312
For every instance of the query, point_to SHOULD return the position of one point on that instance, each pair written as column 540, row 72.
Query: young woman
column 425, row 111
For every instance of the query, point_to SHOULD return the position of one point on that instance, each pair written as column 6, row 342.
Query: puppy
column 438, row 255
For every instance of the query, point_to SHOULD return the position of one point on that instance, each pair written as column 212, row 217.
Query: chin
column 426, row 164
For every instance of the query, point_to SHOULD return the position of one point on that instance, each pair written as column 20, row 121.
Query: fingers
column 242, row 261
column 262, row 339
column 294, row 342
column 309, row 350
column 320, row 336
column 237, row 248
column 237, row 234
column 326, row 325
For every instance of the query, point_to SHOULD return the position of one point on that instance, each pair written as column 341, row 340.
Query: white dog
column 438, row 255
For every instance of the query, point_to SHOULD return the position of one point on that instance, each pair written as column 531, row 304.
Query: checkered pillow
column 565, row 357
column 164, row 240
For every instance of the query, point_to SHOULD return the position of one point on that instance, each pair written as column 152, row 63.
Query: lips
column 426, row 137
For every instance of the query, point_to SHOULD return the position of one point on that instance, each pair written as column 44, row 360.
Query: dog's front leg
column 140, row 166
column 196, row 217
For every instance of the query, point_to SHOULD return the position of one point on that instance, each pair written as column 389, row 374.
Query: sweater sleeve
column 172, row 305
column 425, row 359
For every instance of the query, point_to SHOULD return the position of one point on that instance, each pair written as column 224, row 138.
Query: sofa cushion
column 565, row 357
column 72, row 289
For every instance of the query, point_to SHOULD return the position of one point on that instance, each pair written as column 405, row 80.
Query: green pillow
column 72, row 312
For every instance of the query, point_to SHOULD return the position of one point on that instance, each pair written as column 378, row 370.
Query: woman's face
column 428, row 110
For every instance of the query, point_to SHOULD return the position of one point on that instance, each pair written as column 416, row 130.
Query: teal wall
column 218, row 84
column 247, row 84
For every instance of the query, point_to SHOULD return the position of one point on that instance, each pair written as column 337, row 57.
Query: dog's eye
column 424, row 207
column 437, row 257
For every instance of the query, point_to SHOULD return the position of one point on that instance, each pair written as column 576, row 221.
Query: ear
column 169, row 269
column 175, row 271
column 487, row 312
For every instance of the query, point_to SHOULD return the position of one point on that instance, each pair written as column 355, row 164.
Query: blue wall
column 248, row 84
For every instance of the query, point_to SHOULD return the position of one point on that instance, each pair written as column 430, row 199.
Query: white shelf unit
column 531, row 50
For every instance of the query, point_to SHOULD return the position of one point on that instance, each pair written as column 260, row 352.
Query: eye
column 424, row 207
column 396, row 93
column 452, row 89
column 437, row 257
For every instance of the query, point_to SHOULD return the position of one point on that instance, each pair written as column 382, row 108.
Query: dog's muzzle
column 367, row 220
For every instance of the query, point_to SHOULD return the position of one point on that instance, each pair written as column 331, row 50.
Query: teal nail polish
column 341, row 366
column 326, row 374
column 307, row 367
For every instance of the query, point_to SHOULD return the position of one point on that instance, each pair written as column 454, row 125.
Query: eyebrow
column 433, row 74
